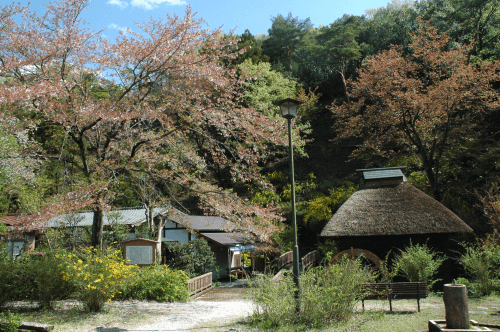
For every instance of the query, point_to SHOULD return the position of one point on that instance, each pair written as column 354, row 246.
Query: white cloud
column 151, row 4
column 120, row 3
column 119, row 28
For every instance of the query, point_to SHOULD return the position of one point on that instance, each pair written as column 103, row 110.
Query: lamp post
column 289, row 111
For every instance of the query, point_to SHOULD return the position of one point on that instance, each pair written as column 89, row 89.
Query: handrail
column 198, row 284
column 309, row 259
column 284, row 259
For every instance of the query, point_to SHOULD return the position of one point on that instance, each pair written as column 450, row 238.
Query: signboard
column 139, row 254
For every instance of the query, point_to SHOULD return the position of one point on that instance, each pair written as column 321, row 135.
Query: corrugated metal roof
column 383, row 174
column 131, row 216
column 203, row 223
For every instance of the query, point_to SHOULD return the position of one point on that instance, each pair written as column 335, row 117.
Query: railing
column 285, row 259
column 199, row 284
column 309, row 259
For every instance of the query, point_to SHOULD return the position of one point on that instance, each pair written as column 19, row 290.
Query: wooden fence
column 284, row 259
column 309, row 259
column 199, row 284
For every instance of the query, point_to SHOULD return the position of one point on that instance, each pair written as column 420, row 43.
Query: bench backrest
column 397, row 290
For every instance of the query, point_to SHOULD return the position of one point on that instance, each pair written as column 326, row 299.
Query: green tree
column 285, row 37
column 253, row 49
column 388, row 26
column 194, row 257
column 263, row 86
column 21, row 186
column 340, row 47
column 474, row 22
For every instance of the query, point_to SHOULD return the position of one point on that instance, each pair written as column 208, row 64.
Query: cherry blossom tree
column 156, row 103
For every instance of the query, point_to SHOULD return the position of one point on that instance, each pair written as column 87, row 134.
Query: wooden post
column 456, row 306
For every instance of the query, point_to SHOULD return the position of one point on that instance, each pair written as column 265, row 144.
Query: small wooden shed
column 141, row 252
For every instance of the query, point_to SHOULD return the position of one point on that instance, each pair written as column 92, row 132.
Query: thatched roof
column 393, row 210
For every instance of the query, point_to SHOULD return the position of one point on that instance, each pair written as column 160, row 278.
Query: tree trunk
column 346, row 94
column 161, row 224
column 436, row 189
column 150, row 216
column 97, row 227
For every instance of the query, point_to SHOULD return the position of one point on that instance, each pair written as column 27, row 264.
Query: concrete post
column 456, row 306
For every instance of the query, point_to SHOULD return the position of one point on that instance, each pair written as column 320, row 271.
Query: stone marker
column 456, row 306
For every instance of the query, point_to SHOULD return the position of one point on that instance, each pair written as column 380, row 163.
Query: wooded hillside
column 180, row 116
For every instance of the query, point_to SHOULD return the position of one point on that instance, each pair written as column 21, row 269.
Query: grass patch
column 404, row 318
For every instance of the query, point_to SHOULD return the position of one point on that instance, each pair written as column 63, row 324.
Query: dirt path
column 218, row 308
column 199, row 315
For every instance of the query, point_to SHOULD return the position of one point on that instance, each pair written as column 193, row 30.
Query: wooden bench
column 395, row 290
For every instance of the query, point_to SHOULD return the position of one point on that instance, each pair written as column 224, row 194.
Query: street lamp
column 289, row 111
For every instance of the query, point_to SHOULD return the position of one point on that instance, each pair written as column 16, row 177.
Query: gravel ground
column 197, row 315
column 217, row 308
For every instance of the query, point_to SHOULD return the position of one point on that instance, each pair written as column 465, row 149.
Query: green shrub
column 157, row 282
column 274, row 302
column 327, row 250
column 34, row 278
column 194, row 257
column 482, row 261
column 327, row 294
column 50, row 283
column 9, row 322
column 330, row 293
column 418, row 263
column 387, row 271
column 16, row 280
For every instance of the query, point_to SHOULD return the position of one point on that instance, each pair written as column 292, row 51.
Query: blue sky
column 253, row 15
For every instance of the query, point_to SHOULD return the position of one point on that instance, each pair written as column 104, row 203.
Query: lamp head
column 288, row 107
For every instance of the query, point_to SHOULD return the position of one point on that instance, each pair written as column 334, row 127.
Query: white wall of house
column 174, row 232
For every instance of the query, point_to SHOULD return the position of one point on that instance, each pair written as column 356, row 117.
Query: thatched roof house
column 388, row 212
column 388, row 205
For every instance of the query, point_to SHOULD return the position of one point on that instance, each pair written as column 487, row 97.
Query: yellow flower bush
column 97, row 274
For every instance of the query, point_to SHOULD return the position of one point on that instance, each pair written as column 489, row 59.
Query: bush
column 97, row 275
column 194, row 257
column 16, row 280
column 330, row 293
column 482, row 261
column 327, row 250
column 36, row 278
column 274, row 302
column 48, row 283
column 157, row 282
column 9, row 322
column 327, row 294
column 418, row 263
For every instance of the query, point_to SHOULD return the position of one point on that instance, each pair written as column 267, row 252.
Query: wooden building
column 387, row 212
column 224, row 238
